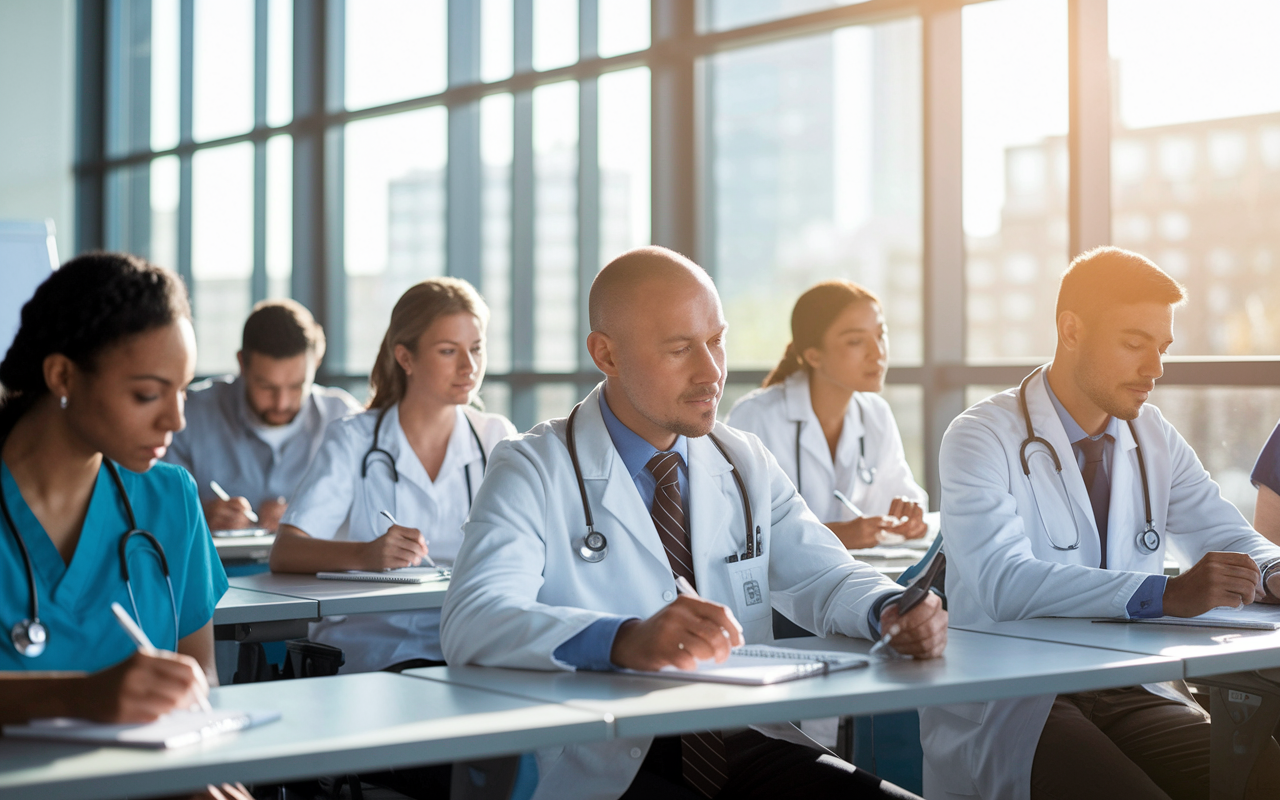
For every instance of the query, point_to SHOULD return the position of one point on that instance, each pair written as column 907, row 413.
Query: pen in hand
column 913, row 596
column 392, row 520
column 144, row 645
column 224, row 497
column 684, row 587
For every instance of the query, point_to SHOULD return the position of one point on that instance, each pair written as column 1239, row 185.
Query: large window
column 952, row 157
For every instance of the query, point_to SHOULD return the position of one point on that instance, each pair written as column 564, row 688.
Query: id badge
column 749, row 581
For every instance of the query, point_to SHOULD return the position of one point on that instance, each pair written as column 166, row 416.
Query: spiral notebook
column 405, row 575
column 762, row 664
column 177, row 729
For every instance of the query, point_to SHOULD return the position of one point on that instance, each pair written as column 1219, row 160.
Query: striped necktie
column 704, row 764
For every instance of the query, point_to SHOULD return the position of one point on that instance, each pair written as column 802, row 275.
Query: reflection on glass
column 279, row 216
column 128, row 66
column 496, row 134
column 1195, row 176
column 724, row 14
column 395, row 50
column 624, row 27
column 496, row 44
column 816, row 174
column 624, row 161
column 164, row 74
column 164, row 212
column 555, row 235
column 128, row 209
column 555, row 33
column 279, row 62
column 221, row 252
column 1015, row 174
column 394, row 219
column 222, row 91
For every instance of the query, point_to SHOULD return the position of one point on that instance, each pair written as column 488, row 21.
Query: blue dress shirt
column 1148, row 600
column 590, row 647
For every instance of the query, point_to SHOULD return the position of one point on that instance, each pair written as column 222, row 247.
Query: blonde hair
column 814, row 313
column 420, row 306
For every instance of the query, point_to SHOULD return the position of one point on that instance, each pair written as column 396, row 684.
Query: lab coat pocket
column 749, row 582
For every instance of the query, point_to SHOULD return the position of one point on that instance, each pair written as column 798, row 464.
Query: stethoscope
column 30, row 636
column 866, row 474
column 1148, row 539
column 593, row 546
column 374, row 450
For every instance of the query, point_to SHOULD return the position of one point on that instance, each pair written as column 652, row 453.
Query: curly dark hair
column 85, row 307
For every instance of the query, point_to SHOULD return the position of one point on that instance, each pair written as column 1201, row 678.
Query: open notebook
column 1256, row 616
column 761, row 664
column 177, row 729
column 404, row 575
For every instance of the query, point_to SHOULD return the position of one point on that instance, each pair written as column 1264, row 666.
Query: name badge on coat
column 749, row 581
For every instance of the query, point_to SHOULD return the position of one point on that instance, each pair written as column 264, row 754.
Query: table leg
column 1245, row 707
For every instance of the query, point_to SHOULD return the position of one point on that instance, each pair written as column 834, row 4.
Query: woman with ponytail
column 821, row 415
column 390, row 487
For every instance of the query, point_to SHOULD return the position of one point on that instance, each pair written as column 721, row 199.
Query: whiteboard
column 28, row 254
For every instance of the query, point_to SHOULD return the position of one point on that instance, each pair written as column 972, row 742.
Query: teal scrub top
column 75, row 599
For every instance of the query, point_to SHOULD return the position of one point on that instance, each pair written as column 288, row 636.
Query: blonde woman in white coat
column 821, row 415
column 418, row 454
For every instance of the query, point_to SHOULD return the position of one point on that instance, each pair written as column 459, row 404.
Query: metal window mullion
column 464, row 172
column 943, row 261
column 261, row 36
column 186, row 107
column 137, row 90
column 523, row 398
column 673, row 130
column 332, row 266
column 91, row 25
column 1089, row 135
column 589, row 214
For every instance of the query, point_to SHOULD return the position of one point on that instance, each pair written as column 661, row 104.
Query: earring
column 62, row 402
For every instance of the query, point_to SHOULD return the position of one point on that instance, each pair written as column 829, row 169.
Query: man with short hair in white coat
column 530, row 590
column 1027, row 539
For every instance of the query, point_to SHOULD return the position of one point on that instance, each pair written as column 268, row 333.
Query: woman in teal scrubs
column 94, row 384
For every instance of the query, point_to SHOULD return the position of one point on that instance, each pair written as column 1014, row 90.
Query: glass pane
column 164, row 74
column 555, row 232
column 554, row 400
column 279, row 216
column 221, row 252
column 223, row 69
column 1196, row 163
column 395, row 50
column 1015, row 174
column 1227, row 428
column 496, row 134
column 816, row 174
column 907, row 402
column 496, row 397
column 555, row 33
column 164, row 212
column 723, row 14
column 279, row 62
column 624, row 161
column 394, row 219
column 128, row 84
column 128, row 209
column 624, row 27
column 496, row 43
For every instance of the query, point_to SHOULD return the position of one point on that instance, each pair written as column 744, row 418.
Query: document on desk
column 177, row 729
column 1256, row 616
column 760, row 665
column 404, row 575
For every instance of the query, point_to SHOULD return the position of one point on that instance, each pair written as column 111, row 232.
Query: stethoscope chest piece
column 29, row 637
column 1149, row 539
column 593, row 547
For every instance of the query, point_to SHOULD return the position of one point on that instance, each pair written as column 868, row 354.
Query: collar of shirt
column 1074, row 432
column 274, row 436
column 635, row 451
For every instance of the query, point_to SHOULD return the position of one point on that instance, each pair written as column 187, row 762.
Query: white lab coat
column 334, row 502
column 519, row 589
column 772, row 413
column 1001, row 566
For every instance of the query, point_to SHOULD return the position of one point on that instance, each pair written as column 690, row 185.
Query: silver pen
column 224, row 497
column 392, row 520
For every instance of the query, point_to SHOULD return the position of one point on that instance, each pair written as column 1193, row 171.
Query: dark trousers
column 421, row 783
column 760, row 767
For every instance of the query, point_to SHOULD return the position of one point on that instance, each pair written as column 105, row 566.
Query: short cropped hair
column 1105, row 277
column 282, row 329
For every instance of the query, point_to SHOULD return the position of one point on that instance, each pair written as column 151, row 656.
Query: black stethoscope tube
column 391, row 462
column 867, row 474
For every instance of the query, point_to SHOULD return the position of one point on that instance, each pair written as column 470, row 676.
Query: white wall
column 37, row 113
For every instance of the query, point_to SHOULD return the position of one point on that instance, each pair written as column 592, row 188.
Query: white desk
column 348, row 597
column 331, row 726
column 240, row 606
column 244, row 549
column 1241, row 667
column 976, row 667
